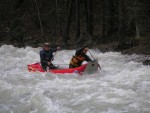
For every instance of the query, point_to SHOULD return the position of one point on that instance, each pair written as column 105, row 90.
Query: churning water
column 122, row 86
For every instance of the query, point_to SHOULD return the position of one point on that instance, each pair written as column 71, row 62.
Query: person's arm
column 55, row 49
column 87, row 58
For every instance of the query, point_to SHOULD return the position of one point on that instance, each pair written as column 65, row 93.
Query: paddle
column 53, row 56
column 94, row 59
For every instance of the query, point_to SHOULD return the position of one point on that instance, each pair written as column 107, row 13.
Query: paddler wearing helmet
column 79, row 57
column 46, row 56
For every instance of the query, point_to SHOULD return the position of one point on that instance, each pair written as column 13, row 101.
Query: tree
column 103, row 21
column 68, row 21
column 58, row 19
column 88, row 4
column 41, row 26
column 77, row 19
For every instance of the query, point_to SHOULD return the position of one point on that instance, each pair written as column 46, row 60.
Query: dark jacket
column 79, row 57
column 46, row 56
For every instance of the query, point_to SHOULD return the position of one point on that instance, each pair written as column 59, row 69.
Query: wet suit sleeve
column 53, row 49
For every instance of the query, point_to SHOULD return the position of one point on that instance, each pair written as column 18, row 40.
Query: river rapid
column 122, row 86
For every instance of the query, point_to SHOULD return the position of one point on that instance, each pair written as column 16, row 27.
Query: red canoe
column 90, row 67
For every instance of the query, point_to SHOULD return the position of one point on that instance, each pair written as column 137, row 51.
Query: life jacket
column 77, row 60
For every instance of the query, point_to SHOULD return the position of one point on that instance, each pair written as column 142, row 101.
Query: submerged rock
column 146, row 62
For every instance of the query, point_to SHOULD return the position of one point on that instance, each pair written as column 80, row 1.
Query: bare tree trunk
column 135, row 16
column 66, row 4
column 12, row 7
column 58, row 19
column 67, row 26
column 120, row 19
column 39, row 19
column 137, row 29
column 88, row 16
column 104, row 26
column 77, row 19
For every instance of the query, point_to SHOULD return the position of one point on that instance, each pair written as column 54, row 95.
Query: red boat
column 90, row 67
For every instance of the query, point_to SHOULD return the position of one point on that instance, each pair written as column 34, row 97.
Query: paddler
column 46, row 56
column 79, row 57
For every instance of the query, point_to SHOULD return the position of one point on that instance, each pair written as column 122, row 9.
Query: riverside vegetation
column 110, row 25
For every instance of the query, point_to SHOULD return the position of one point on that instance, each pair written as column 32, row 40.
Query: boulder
column 146, row 62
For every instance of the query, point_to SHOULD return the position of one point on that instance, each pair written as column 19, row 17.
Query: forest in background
column 105, row 24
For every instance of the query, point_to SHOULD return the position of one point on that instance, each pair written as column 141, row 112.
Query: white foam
column 123, row 84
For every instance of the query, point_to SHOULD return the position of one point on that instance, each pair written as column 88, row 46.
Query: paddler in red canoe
column 46, row 56
column 79, row 57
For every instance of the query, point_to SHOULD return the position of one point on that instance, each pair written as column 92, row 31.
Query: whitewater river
column 122, row 86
